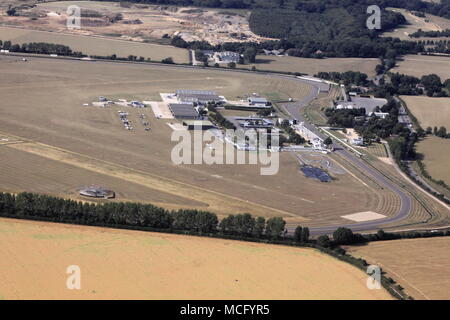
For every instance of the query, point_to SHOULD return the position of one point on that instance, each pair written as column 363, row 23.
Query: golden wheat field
column 418, row 265
column 120, row 264
column 430, row 112
column 418, row 66
column 436, row 157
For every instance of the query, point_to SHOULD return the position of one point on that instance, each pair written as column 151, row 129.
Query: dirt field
column 96, row 46
column 92, row 140
column 119, row 264
column 429, row 23
column 416, row 65
column 418, row 265
column 140, row 22
column 436, row 153
column 430, row 112
column 313, row 66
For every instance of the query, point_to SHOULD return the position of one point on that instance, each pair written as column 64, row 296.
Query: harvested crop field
column 430, row 112
column 313, row 66
column 51, row 125
column 96, row 46
column 121, row 264
column 436, row 157
column 418, row 265
column 417, row 65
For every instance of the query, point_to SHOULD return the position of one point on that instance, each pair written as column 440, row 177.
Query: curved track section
column 294, row 110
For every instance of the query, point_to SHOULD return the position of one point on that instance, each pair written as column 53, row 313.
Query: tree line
column 293, row 137
column 347, row 78
column 34, row 206
column 402, row 84
column 40, row 48
column 431, row 34
column 137, row 216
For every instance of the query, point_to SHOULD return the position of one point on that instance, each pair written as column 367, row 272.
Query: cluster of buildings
column 222, row 57
column 189, row 104
column 314, row 139
column 371, row 105
column 259, row 102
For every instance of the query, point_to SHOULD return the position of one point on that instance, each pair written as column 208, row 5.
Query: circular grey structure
column 97, row 192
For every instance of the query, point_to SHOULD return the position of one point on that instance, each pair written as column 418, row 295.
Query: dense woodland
column 440, row 9
column 401, row 84
column 318, row 28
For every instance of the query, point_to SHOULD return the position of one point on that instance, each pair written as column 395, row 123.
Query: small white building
column 357, row 141
column 381, row 115
column 258, row 101
column 227, row 57
column 345, row 106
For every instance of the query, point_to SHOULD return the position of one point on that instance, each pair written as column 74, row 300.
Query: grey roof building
column 197, row 96
column 184, row 111
column 258, row 101
column 228, row 56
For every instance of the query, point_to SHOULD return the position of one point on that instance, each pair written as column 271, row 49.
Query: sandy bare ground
column 118, row 264
column 141, row 22
column 364, row 216
column 419, row 265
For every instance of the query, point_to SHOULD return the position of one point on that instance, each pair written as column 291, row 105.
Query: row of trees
column 136, row 215
column 431, row 34
column 40, row 48
column 218, row 118
column 149, row 217
column 347, row 78
column 63, row 50
column 440, row 132
column 293, row 137
column 402, row 84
